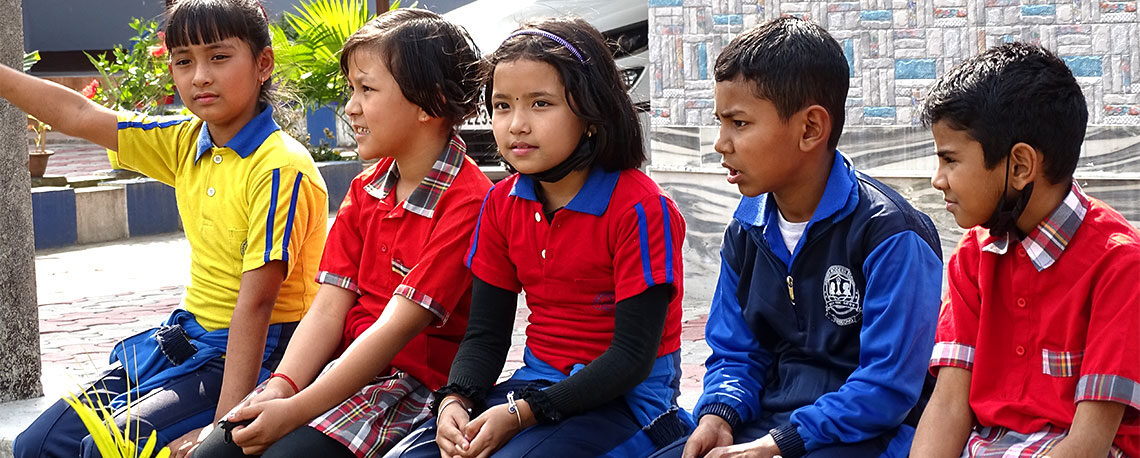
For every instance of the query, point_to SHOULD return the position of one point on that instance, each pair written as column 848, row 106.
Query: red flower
column 90, row 90
column 160, row 50
column 168, row 100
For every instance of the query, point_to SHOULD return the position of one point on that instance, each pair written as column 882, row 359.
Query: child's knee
column 51, row 434
column 29, row 444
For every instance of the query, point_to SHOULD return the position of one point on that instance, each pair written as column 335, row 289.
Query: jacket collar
column 839, row 199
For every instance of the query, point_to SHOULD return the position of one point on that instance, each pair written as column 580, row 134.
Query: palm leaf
column 309, row 64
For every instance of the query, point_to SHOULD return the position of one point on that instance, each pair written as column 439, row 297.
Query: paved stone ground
column 75, row 157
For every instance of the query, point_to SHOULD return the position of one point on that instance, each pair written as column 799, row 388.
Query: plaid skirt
column 997, row 442
column 378, row 416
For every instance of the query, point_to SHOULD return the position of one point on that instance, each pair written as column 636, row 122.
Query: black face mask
column 1004, row 219
column 581, row 158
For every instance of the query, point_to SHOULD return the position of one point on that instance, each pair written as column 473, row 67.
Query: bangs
column 205, row 22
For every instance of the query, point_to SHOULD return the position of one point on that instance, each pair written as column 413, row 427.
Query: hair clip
column 560, row 40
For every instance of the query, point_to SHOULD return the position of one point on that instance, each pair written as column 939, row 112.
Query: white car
column 624, row 23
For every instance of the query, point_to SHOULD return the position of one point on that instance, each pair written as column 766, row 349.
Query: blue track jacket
column 828, row 344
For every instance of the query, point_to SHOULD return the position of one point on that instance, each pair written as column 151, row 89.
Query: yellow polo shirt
column 257, row 199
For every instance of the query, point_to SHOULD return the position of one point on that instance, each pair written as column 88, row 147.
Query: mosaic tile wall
column 896, row 48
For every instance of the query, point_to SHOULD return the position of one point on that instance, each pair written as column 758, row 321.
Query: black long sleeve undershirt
column 639, row 322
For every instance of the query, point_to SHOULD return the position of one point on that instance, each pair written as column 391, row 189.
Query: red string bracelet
column 287, row 380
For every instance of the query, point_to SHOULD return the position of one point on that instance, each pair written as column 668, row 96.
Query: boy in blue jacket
column 824, row 313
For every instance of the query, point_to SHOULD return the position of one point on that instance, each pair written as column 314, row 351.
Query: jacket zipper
column 791, row 292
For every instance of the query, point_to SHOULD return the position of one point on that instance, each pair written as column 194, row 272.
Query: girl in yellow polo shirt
column 254, row 209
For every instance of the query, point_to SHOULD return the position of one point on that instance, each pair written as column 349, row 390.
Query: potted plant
column 38, row 157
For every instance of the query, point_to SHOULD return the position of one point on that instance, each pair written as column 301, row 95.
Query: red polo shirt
column 1039, row 341
column 379, row 247
column 620, row 235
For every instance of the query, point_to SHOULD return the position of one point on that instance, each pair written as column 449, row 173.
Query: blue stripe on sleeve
column 668, row 241
column 478, row 222
column 289, row 219
column 151, row 125
column 643, row 231
column 272, row 213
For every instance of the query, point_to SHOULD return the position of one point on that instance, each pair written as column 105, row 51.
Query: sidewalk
column 91, row 296
column 75, row 158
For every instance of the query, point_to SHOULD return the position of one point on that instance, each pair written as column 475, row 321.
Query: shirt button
column 537, row 217
column 1019, row 350
column 1020, row 251
column 210, row 192
column 217, row 159
column 383, row 248
column 543, row 254
column 1021, row 302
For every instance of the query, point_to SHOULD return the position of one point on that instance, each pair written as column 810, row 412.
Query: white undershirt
column 791, row 231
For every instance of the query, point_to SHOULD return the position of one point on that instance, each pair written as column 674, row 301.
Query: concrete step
column 17, row 415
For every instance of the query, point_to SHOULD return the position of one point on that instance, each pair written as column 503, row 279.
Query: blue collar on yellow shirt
column 247, row 140
column 593, row 198
column 839, row 199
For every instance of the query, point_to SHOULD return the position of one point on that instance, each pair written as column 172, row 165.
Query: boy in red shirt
column 1037, row 349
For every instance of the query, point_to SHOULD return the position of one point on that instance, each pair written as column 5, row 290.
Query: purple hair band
column 551, row 36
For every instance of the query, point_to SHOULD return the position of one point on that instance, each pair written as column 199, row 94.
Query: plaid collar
column 424, row 198
column 1048, row 240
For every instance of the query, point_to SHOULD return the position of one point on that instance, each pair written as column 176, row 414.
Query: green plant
column 109, row 439
column 136, row 78
column 41, row 129
column 307, row 48
column 30, row 59
column 322, row 152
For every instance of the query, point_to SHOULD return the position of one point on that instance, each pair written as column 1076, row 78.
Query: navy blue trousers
column 588, row 434
column 182, row 405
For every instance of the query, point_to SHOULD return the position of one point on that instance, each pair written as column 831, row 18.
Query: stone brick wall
column 896, row 48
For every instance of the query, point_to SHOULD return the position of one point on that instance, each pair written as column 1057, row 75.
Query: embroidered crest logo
column 840, row 297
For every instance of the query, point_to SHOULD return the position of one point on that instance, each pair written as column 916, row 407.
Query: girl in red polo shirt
column 596, row 246
column 394, row 295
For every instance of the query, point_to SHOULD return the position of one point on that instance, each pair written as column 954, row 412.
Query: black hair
column 792, row 63
column 195, row 22
column 594, row 89
column 1011, row 94
column 434, row 62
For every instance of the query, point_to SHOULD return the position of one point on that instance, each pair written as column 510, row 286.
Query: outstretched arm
column 66, row 110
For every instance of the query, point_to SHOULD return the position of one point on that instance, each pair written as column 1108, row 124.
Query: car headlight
column 629, row 76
